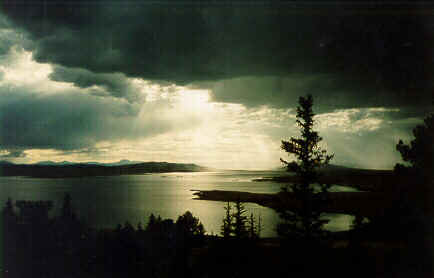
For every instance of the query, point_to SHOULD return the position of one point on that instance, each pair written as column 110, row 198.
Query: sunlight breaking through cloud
column 354, row 120
column 108, row 117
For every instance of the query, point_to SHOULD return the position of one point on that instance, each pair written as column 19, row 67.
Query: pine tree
column 9, row 208
column 67, row 210
column 259, row 230
column 227, row 227
column 253, row 229
column 139, row 227
column 304, row 222
column 151, row 223
column 240, row 220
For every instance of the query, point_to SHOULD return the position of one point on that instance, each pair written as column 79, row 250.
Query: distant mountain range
column 50, row 169
column 119, row 163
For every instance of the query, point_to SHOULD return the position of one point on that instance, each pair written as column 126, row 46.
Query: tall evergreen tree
column 305, row 221
column 253, row 229
column 240, row 221
column 259, row 230
column 227, row 226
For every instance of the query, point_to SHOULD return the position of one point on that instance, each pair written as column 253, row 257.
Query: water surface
column 105, row 202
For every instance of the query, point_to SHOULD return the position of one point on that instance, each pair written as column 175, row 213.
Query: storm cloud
column 114, row 84
column 12, row 154
column 200, row 81
column 327, row 89
column 73, row 120
column 378, row 50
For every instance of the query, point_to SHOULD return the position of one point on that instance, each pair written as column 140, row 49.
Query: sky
column 211, row 83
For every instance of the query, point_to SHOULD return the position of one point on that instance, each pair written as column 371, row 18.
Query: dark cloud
column 10, row 37
column 327, row 89
column 381, row 51
column 115, row 84
column 3, row 22
column 5, row 43
column 13, row 154
column 73, row 121
column 249, row 53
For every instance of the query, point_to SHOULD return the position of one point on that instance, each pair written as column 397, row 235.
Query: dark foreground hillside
column 35, row 245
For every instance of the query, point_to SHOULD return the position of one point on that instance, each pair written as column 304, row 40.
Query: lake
column 105, row 202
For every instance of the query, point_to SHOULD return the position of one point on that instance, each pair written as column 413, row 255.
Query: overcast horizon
column 212, row 84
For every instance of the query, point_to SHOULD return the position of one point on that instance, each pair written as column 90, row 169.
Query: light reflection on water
column 107, row 201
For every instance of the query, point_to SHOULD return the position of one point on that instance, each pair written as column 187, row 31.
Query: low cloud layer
column 328, row 92
column 73, row 121
column 39, row 113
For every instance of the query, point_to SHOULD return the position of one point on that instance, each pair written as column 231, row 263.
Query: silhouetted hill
column 80, row 170
column 122, row 162
column 118, row 163
column 53, row 163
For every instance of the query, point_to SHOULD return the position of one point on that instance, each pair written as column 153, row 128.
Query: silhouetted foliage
column 240, row 221
column 190, row 225
column 140, row 227
column 305, row 221
column 412, row 214
column 259, row 229
column 9, row 208
column 67, row 210
column 420, row 153
column 128, row 228
column 164, row 250
column 236, row 224
column 358, row 230
column 47, row 247
column 118, row 228
column 227, row 226
column 252, row 227
column 152, row 221
column 359, row 222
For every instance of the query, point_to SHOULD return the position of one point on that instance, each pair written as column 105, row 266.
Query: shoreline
column 373, row 182
column 368, row 204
